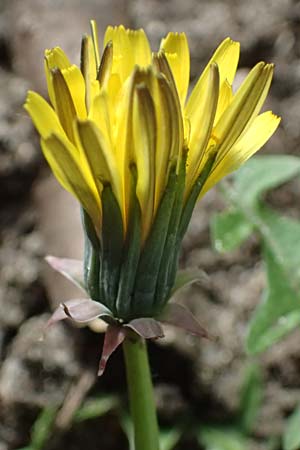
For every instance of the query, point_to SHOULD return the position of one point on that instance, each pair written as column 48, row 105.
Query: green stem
column 141, row 396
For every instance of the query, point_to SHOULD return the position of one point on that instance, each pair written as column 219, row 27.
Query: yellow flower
column 124, row 139
column 130, row 108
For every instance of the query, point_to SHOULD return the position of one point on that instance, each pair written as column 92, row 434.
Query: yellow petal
column 140, row 47
column 60, row 156
column 114, row 94
column 65, row 108
column 105, row 68
column 54, row 58
column 176, row 128
column 201, row 126
column 144, row 140
column 261, row 129
column 245, row 105
column 99, row 114
column 169, row 140
column 226, row 57
column 94, row 29
column 162, row 65
column 225, row 98
column 76, row 86
column 164, row 142
column 123, row 141
column 169, row 90
column 165, row 117
column 43, row 116
column 176, row 49
column 89, row 70
column 130, row 48
column 99, row 156
column 122, row 55
column 169, row 134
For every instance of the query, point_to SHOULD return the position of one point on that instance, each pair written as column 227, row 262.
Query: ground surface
column 201, row 378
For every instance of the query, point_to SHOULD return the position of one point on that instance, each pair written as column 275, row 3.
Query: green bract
column 130, row 278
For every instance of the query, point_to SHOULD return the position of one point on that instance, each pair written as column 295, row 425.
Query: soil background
column 198, row 379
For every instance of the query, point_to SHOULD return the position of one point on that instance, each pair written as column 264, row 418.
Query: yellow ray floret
column 65, row 165
column 126, row 111
column 259, row 132
column 176, row 48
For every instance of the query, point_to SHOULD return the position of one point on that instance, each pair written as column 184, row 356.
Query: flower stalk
column 141, row 396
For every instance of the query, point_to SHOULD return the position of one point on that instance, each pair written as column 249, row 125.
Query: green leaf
column 229, row 230
column 281, row 234
column 127, row 426
column 41, row 430
column 96, row 407
column 263, row 173
column 273, row 443
column 251, row 398
column 279, row 312
column 217, row 438
column 169, row 438
column 291, row 436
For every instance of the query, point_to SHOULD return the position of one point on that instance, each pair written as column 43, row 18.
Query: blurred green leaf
column 168, row 438
column 291, row 436
column 245, row 213
column 250, row 398
column 127, row 426
column 217, row 438
column 282, row 236
column 273, row 443
column 279, row 311
column 263, row 173
column 96, row 407
column 229, row 230
column 42, row 428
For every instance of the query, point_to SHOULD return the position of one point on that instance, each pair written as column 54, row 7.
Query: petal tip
column 101, row 368
column 50, row 259
column 28, row 100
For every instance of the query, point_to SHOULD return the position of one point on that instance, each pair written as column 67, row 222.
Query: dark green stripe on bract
column 132, row 250
column 91, row 263
column 194, row 194
column 89, row 229
column 111, row 246
column 165, row 279
column 149, row 265
column 184, row 221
